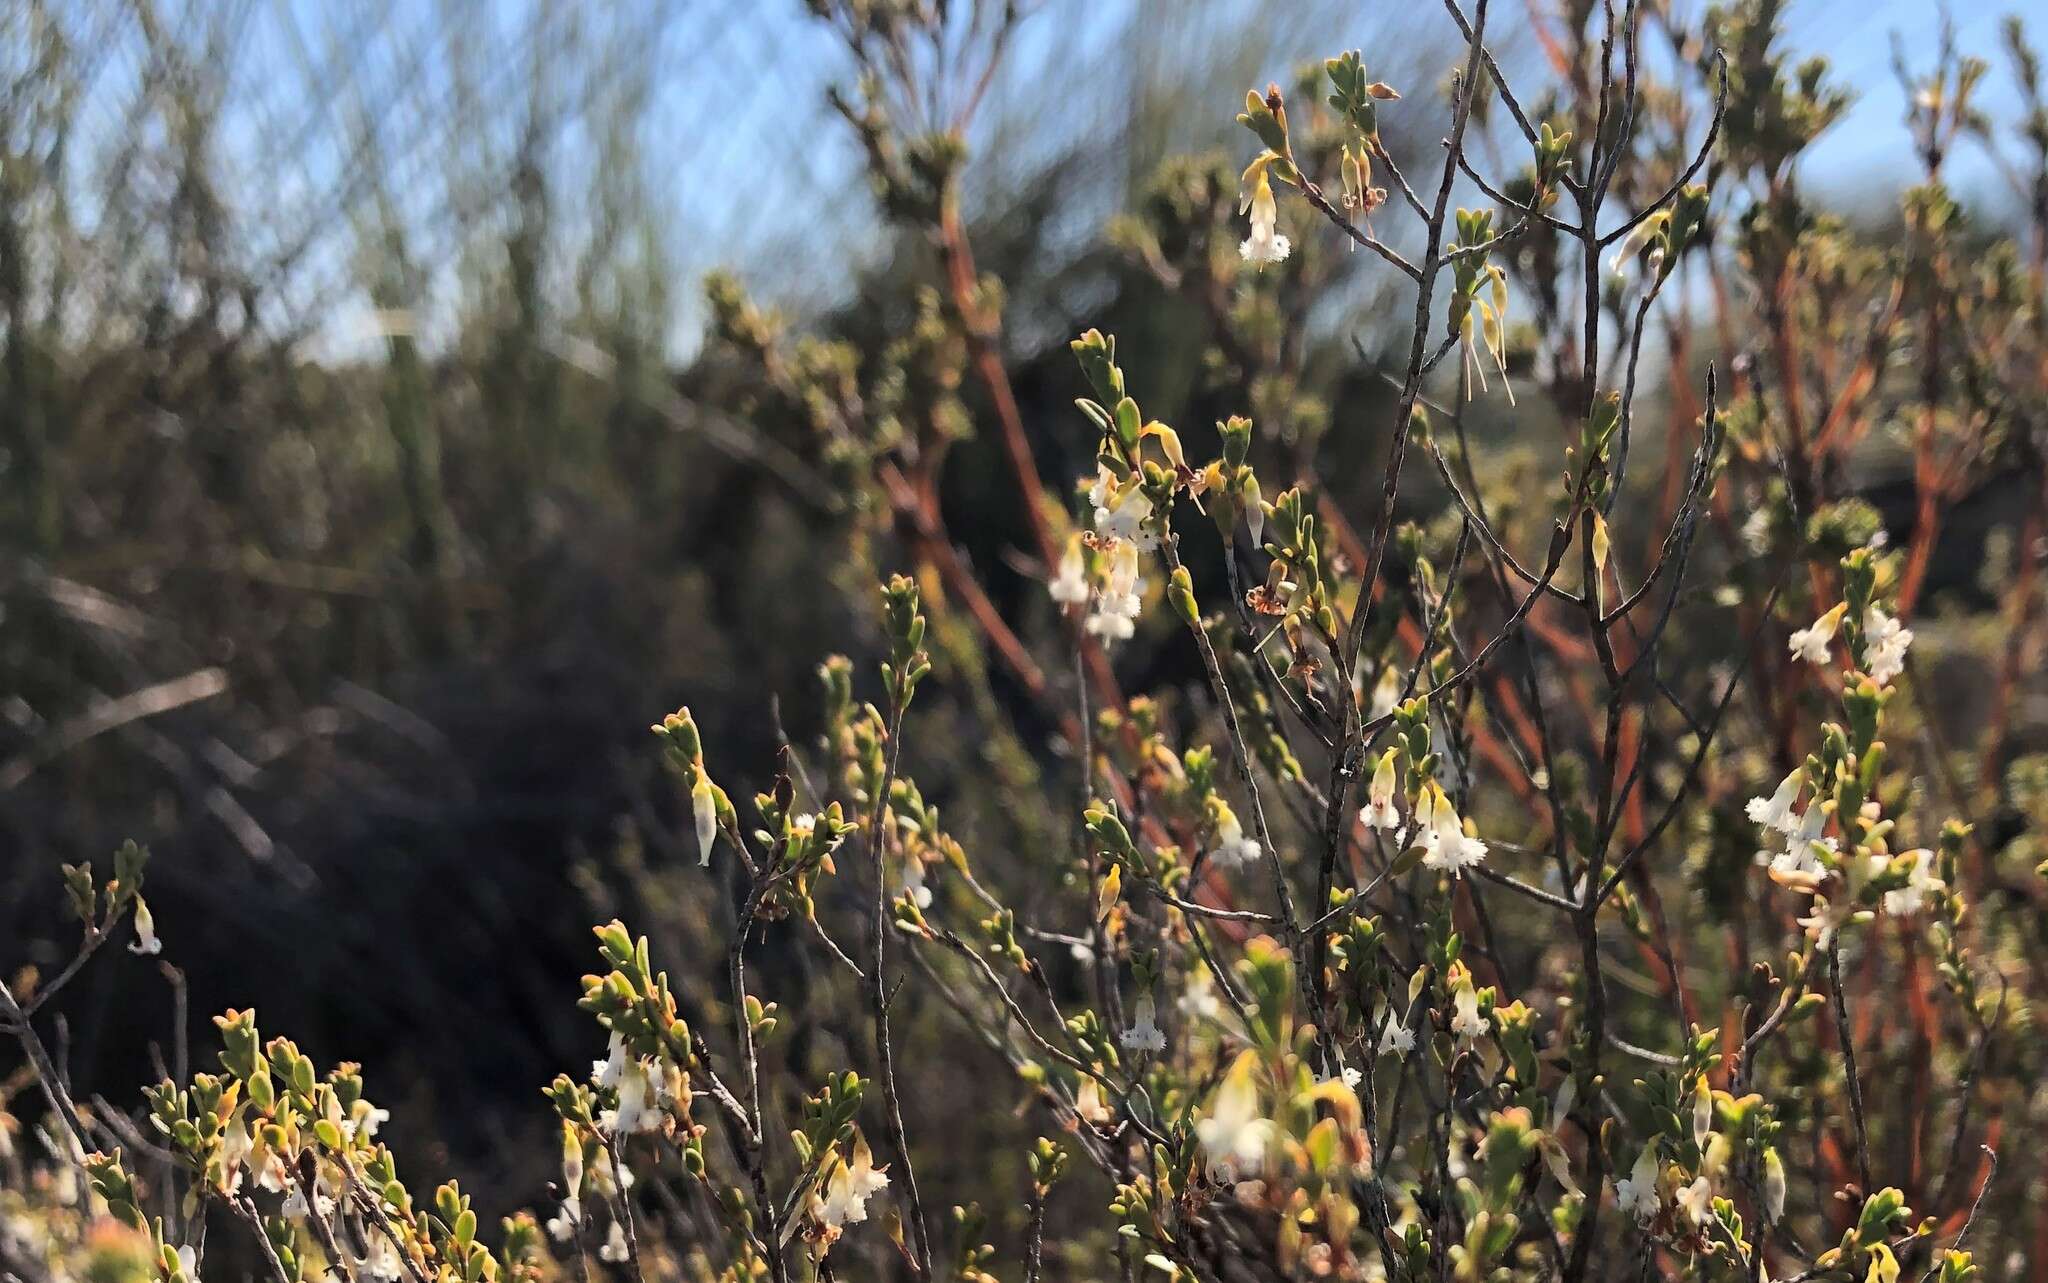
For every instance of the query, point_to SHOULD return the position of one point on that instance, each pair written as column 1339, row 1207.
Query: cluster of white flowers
column 644, row 1087
column 1787, row 846
column 1438, row 829
column 1885, row 641
column 1115, row 616
column 1121, row 510
column 843, row 1196
column 1120, row 535
column 565, row 1224
column 1649, row 1187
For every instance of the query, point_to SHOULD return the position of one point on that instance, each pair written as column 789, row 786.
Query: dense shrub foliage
column 1537, row 804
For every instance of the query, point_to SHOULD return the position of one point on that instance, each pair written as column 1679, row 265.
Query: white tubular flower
column 1116, row 610
column 1232, row 846
column 1234, row 1136
column 1123, row 517
column 1124, row 582
column 1632, row 247
column 705, row 808
column 1811, row 643
column 234, row 1147
column 1070, row 586
column 1088, row 1102
column 845, row 1197
column 1099, row 492
column 1636, row 1193
column 1775, row 811
column 614, row 1249
column 1466, row 1022
column 1397, row 1039
column 268, row 1165
column 1798, row 866
column 1144, row 1033
column 1379, row 811
column 1885, row 641
column 1696, row 1201
column 562, row 1225
column 607, row 1072
column 1912, row 897
column 145, row 941
column 1265, row 244
column 639, row 1101
column 1445, row 844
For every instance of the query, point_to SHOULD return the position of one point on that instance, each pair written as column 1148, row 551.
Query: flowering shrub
column 1374, row 950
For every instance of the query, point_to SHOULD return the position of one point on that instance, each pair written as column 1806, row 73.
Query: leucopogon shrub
column 1371, row 966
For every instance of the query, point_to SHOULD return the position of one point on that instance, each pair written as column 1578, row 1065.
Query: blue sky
column 735, row 144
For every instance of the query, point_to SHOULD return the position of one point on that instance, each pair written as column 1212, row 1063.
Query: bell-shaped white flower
column 1232, row 846
column 145, row 941
column 1144, row 1033
column 1265, row 244
column 1115, row 616
column 1445, row 844
column 1466, row 1022
column 1379, row 811
column 614, row 1249
column 1070, row 586
column 1636, row 1193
